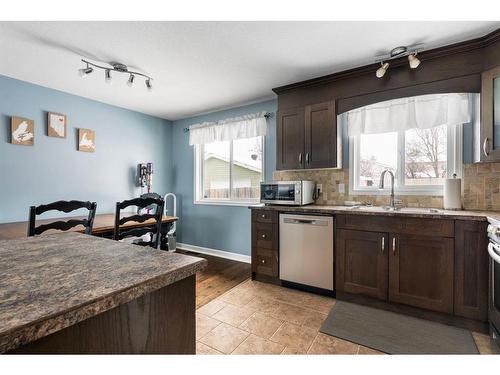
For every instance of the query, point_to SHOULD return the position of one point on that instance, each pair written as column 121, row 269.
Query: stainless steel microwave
column 296, row 193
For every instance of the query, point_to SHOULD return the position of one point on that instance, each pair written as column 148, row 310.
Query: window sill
column 226, row 203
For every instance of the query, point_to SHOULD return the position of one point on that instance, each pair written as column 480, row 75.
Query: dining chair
column 63, row 225
column 154, row 229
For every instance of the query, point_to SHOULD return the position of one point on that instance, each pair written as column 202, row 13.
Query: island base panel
column 161, row 322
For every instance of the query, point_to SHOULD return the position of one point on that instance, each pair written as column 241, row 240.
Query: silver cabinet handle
column 394, row 245
column 485, row 146
column 383, row 244
column 307, row 157
column 300, row 157
column 263, row 261
column 263, row 236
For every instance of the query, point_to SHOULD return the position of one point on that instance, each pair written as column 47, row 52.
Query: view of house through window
column 231, row 170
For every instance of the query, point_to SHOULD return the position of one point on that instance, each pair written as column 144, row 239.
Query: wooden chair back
column 63, row 225
column 121, row 231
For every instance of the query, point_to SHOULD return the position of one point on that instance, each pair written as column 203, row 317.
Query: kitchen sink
column 387, row 208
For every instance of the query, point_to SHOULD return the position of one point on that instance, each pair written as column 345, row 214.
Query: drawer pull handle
column 263, row 236
column 485, row 147
column 263, row 261
column 394, row 245
column 383, row 244
column 263, row 216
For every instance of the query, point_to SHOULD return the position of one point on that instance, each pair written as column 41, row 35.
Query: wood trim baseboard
column 215, row 252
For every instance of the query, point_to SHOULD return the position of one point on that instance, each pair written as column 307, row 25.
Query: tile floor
column 259, row 318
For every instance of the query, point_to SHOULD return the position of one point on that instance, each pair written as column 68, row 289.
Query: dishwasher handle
column 289, row 220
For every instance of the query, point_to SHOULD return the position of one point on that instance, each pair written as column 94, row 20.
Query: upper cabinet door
column 321, row 136
column 290, row 139
column 490, row 115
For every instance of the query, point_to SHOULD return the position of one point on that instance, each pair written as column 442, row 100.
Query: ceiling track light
column 398, row 52
column 115, row 67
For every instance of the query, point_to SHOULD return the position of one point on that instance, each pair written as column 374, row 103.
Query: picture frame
column 22, row 131
column 56, row 125
column 86, row 140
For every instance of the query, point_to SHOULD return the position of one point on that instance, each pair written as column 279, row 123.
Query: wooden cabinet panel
column 265, row 262
column 421, row 271
column 361, row 263
column 290, row 139
column 265, row 243
column 471, row 270
column 321, row 136
column 265, row 216
column 490, row 115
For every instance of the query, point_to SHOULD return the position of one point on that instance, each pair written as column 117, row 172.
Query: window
column 421, row 159
column 229, row 172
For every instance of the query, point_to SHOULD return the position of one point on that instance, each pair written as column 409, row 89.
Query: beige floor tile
column 212, row 307
column 485, row 344
column 233, row 315
column 224, row 338
column 294, row 351
column 257, row 345
column 365, row 350
column 261, row 325
column 237, row 297
column 314, row 319
column 263, row 304
column 290, row 313
column 204, row 324
column 324, row 344
column 202, row 349
column 294, row 336
column 319, row 303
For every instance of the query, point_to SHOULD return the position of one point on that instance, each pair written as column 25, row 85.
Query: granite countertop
column 377, row 211
column 51, row 282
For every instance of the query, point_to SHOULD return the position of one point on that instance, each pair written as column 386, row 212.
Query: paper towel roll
column 452, row 199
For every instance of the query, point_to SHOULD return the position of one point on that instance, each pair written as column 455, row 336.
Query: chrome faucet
column 392, row 204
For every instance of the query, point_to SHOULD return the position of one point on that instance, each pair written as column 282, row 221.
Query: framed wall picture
column 56, row 125
column 86, row 140
column 22, row 131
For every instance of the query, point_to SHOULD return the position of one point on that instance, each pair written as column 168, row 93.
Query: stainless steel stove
column 494, row 280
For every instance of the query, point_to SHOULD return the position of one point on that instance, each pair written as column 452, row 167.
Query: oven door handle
column 493, row 253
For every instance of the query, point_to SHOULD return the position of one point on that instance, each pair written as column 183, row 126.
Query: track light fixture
column 115, row 67
column 395, row 53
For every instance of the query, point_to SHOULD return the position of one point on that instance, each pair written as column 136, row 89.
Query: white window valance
column 247, row 126
column 423, row 112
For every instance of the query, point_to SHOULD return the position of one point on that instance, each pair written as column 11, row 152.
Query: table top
column 102, row 223
column 48, row 283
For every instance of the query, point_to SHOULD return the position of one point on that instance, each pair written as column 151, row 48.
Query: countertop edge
column 331, row 210
column 36, row 330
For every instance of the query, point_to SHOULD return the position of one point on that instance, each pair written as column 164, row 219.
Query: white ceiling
column 200, row 67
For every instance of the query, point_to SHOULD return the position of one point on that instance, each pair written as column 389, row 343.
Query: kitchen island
column 74, row 293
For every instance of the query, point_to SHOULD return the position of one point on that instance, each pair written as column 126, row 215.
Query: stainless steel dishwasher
column 306, row 250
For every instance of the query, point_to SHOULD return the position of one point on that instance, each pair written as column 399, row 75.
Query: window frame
column 454, row 160
column 198, row 179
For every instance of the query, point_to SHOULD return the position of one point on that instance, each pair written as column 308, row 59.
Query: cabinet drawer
column 428, row 227
column 265, row 262
column 264, row 236
column 264, row 216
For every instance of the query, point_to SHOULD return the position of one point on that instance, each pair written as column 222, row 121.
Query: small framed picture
column 56, row 125
column 86, row 140
column 22, row 131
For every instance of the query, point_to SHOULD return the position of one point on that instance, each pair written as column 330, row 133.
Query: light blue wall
column 218, row 227
column 53, row 169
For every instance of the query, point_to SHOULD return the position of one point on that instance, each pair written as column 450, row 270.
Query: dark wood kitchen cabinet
column 361, row 263
column 471, row 270
column 265, row 245
column 307, row 137
column 421, row 271
column 490, row 115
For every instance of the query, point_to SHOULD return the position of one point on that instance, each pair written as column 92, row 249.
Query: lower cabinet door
column 361, row 263
column 421, row 271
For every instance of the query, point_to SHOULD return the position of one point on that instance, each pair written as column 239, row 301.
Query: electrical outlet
column 320, row 188
column 341, row 188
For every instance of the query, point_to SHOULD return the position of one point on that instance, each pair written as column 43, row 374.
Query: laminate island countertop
column 52, row 282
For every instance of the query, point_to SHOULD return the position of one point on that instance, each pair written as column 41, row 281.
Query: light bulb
column 381, row 71
column 107, row 76
column 413, row 61
column 130, row 81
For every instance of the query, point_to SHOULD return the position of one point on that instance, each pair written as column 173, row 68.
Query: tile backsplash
column 480, row 185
